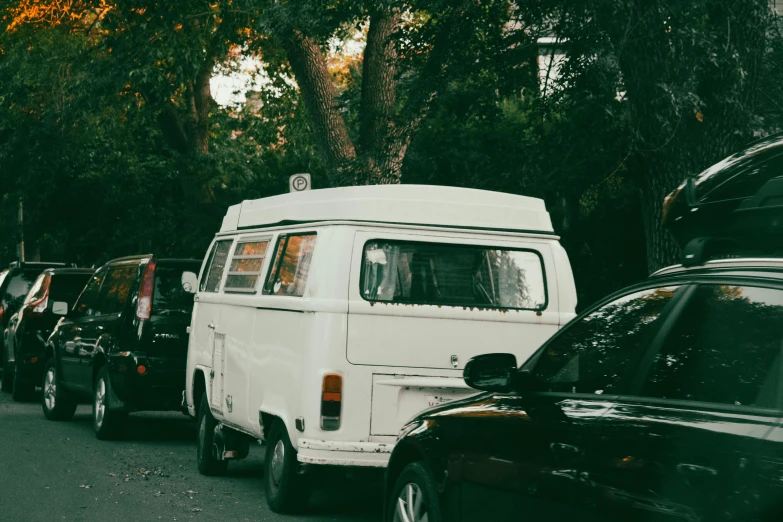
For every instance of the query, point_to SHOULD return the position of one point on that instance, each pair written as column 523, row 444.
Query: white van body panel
column 395, row 360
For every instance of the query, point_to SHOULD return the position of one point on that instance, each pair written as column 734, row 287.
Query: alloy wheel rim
column 411, row 506
column 278, row 462
column 50, row 388
column 100, row 402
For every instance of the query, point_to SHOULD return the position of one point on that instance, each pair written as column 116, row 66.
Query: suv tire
column 414, row 482
column 207, row 463
column 56, row 404
column 108, row 424
column 286, row 490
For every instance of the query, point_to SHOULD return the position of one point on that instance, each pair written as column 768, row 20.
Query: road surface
column 60, row 471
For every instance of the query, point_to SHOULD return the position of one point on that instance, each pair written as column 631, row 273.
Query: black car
column 30, row 327
column 123, row 345
column 15, row 283
column 661, row 403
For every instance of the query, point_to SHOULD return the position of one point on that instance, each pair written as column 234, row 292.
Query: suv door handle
column 696, row 470
column 211, row 326
column 564, row 449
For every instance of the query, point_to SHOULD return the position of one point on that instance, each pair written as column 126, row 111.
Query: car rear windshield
column 67, row 287
column 175, row 286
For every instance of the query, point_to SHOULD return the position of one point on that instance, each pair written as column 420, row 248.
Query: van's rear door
column 431, row 301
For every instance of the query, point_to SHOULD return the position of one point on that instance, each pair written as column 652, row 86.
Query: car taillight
column 2, row 311
column 144, row 303
column 331, row 401
column 40, row 305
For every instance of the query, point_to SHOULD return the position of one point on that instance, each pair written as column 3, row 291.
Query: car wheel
column 414, row 497
column 22, row 390
column 286, row 489
column 107, row 423
column 8, row 376
column 57, row 406
column 206, row 461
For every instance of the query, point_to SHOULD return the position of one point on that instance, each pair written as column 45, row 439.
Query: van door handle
column 211, row 326
column 696, row 470
column 564, row 449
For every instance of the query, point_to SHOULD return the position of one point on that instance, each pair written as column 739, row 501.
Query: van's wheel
column 56, row 403
column 207, row 463
column 414, row 497
column 8, row 372
column 107, row 423
column 286, row 489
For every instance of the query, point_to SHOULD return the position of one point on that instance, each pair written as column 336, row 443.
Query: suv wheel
column 108, row 424
column 8, row 376
column 286, row 490
column 22, row 390
column 206, row 461
column 414, row 497
column 57, row 406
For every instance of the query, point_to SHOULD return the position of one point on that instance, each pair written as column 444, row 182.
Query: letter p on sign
column 299, row 183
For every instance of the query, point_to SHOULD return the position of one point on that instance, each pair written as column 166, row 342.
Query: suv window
column 452, row 275
column 115, row 289
column 246, row 265
column 66, row 287
column 596, row 353
column 288, row 274
column 725, row 348
column 213, row 272
column 173, row 288
column 85, row 305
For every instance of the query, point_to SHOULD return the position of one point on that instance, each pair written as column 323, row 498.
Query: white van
column 326, row 319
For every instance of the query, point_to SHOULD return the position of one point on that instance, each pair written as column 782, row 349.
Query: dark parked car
column 124, row 343
column 15, row 283
column 661, row 403
column 30, row 327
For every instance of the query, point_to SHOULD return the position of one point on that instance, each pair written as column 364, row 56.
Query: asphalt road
column 60, row 471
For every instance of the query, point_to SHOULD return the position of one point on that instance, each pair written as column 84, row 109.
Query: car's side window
column 288, row 273
column 246, row 264
column 213, row 272
column 85, row 305
column 597, row 353
column 724, row 348
column 115, row 289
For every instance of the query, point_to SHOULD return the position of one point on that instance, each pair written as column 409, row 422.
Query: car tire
column 108, row 424
column 8, row 375
column 22, row 390
column 207, row 463
column 286, row 490
column 416, row 483
column 56, row 404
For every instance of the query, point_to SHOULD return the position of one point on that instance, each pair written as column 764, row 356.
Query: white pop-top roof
column 404, row 204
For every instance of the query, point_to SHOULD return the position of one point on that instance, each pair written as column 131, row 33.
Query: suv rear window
column 175, row 286
column 452, row 275
column 67, row 287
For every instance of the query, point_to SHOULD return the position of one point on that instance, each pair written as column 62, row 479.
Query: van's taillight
column 331, row 401
column 144, row 303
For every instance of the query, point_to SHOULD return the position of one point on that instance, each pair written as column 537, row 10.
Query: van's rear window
column 175, row 286
column 452, row 275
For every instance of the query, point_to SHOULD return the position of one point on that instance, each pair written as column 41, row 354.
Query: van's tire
column 286, row 490
column 207, row 463
column 414, row 476
column 22, row 390
column 56, row 404
column 8, row 373
column 108, row 424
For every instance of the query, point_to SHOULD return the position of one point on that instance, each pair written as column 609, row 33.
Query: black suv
column 29, row 328
column 124, row 343
column 15, row 282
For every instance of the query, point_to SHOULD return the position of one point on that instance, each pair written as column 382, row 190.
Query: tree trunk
column 315, row 83
column 200, row 101
column 656, row 183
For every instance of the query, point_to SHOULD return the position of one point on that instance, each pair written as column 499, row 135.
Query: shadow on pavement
column 151, row 427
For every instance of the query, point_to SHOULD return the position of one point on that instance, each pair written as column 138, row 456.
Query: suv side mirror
column 491, row 372
column 60, row 308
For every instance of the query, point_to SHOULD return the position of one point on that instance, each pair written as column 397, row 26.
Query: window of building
column 288, row 273
column 452, row 275
column 246, row 265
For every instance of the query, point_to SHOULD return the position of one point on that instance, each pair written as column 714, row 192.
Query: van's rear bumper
column 338, row 453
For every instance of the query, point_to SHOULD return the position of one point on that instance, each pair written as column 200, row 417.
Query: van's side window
column 288, row 273
column 452, row 275
column 246, row 265
column 210, row 279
